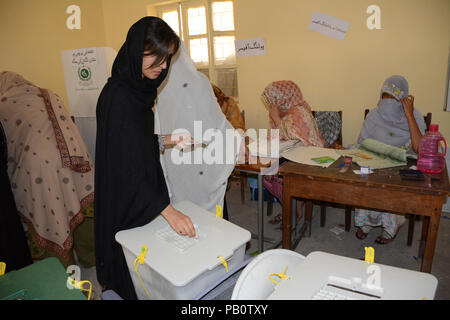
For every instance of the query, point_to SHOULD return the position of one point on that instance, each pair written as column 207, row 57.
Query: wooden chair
column 411, row 218
column 323, row 205
column 339, row 139
column 427, row 119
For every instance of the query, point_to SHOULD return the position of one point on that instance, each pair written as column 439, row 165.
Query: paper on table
column 263, row 148
column 304, row 155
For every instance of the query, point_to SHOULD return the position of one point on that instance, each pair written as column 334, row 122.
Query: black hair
column 160, row 40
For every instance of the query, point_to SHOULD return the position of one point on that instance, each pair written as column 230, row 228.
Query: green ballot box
column 43, row 280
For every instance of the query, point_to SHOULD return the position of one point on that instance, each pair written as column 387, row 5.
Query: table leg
column 287, row 212
column 323, row 215
column 430, row 244
column 348, row 218
column 308, row 217
column 260, row 214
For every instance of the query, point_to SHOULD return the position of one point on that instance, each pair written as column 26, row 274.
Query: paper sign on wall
column 329, row 26
column 86, row 72
column 250, row 47
column 86, row 57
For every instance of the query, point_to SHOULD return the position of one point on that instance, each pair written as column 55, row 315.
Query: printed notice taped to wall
column 250, row 47
column 329, row 26
column 83, row 57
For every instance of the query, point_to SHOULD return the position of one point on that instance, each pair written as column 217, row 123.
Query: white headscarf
column 187, row 96
column 387, row 122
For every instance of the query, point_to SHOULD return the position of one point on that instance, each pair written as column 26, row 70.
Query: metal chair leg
column 242, row 180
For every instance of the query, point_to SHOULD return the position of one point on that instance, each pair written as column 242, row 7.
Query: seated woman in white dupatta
column 186, row 102
column 396, row 122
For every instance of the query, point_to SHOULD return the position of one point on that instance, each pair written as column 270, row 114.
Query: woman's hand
column 274, row 114
column 181, row 140
column 408, row 105
column 414, row 131
column 178, row 221
column 244, row 152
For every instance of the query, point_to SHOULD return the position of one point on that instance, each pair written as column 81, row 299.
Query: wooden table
column 384, row 191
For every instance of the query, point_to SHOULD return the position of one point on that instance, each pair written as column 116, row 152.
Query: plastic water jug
column 430, row 159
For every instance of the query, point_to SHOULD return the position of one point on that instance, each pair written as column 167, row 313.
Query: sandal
column 278, row 218
column 360, row 234
column 385, row 238
column 381, row 240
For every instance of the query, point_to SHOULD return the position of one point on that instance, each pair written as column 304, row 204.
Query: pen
column 364, row 156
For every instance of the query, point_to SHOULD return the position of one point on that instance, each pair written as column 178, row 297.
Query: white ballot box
column 179, row 267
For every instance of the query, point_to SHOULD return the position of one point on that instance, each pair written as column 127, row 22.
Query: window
column 207, row 29
column 171, row 17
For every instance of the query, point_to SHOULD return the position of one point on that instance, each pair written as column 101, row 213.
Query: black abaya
column 14, row 249
column 130, row 189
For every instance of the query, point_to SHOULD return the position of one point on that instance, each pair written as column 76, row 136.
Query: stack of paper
column 313, row 156
column 264, row 148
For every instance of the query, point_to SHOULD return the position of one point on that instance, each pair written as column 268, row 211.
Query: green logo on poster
column 84, row 73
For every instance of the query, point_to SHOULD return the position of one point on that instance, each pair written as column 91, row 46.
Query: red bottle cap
column 434, row 127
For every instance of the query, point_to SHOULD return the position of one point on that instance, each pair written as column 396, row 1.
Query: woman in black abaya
column 130, row 189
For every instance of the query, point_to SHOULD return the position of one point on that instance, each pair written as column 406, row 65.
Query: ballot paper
column 305, row 155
